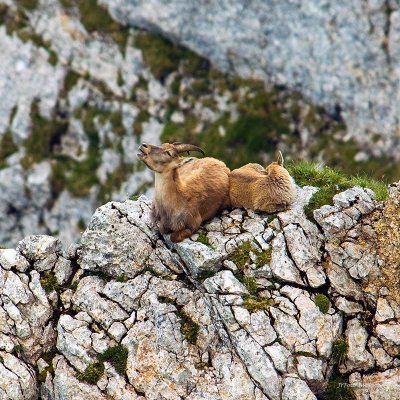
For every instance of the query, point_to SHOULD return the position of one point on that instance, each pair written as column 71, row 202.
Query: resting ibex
column 187, row 190
column 270, row 189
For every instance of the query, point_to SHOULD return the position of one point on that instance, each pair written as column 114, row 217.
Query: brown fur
column 188, row 191
column 269, row 190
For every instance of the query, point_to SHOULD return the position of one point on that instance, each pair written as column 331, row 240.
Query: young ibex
column 188, row 191
column 269, row 190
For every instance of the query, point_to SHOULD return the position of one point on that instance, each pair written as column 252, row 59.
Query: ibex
column 188, row 191
column 269, row 190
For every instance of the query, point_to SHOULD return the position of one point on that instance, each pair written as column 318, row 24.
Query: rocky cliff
column 252, row 306
column 82, row 85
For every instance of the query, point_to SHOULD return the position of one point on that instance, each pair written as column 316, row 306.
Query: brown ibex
column 269, row 190
column 188, row 191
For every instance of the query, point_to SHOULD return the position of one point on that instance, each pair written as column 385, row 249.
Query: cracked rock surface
column 126, row 314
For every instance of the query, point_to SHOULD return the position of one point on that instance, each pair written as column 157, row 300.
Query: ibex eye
column 169, row 153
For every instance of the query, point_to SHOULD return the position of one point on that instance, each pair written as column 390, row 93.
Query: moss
column 256, row 303
column 121, row 278
column 117, row 122
column 49, row 282
column 74, row 286
column 175, row 85
column 134, row 197
column 117, row 356
column 143, row 116
column 92, row 373
column 322, row 303
column 188, row 327
column 43, row 136
column 202, row 238
column 263, row 258
column 67, row 3
column 338, row 389
column 241, row 255
column 7, row 147
column 339, row 350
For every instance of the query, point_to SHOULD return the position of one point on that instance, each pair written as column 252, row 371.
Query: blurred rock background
column 82, row 83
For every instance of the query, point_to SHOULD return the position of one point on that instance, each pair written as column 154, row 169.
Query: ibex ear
column 279, row 158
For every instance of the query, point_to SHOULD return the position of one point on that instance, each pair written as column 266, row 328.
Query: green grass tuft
column 7, row 147
column 339, row 350
column 117, row 356
column 330, row 181
column 322, row 303
column 241, row 255
column 202, row 238
column 49, row 282
column 92, row 373
column 255, row 303
column 188, row 327
column 338, row 389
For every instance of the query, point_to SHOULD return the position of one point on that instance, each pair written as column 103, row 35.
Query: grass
column 43, row 136
column 202, row 238
column 92, row 373
column 116, row 355
column 322, row 303
column 330, row 181
column 188, row 327
column 256, row 303
column 7, row 147
column 49, row 282
column 339, row 350
column 241, row 255
column 338, row 389
column 97, row 19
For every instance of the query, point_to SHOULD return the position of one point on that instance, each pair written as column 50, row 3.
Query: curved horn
column 182, row 147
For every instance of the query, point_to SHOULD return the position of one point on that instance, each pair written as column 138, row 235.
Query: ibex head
column 275, row 167
column 165, row 157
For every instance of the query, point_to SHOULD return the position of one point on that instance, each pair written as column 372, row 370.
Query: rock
column 357, row 356
column 383, row 310
column 281, row 265
column 224, row 282
column 296, row 389
column 17, row 379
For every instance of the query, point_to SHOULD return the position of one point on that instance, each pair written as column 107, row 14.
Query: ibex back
column 188, row 191
column 269, row 190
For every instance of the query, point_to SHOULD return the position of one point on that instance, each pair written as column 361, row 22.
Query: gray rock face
column 351, row 50
column 255, row 329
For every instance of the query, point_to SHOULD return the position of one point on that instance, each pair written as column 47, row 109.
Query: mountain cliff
column 252, row 306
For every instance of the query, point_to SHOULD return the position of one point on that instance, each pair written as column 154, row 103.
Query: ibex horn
column 182, row 147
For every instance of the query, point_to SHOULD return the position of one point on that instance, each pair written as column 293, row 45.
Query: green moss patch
column 49, row 282
column 43, row 136
column 256, row 303
column 241, row 255
column 338, row 389
column 117, row 356
column 92, row 373
column 322, row 303
column 188, row 327
column 7, row 147
column 330, row 181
